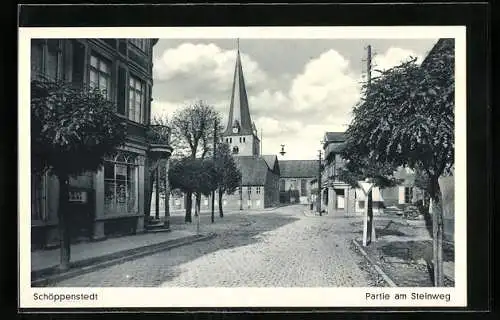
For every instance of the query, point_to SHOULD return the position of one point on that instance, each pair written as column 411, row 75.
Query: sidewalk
column 89, row 256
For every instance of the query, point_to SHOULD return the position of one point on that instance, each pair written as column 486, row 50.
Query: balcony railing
column 158, row 135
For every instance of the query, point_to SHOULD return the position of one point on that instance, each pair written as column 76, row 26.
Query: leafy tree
column 193, row 176
column 192, row 136
column 72, row 130
column 407, row 119
column 228, row 172
column 358, row 168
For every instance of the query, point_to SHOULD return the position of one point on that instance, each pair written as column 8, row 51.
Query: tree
column 72, row 130
column 407, row 119
column 192, row 135
column 193, row 176
column 358, row 168
column 228, row 172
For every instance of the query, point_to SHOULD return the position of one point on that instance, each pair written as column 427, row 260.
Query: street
column 275, row 248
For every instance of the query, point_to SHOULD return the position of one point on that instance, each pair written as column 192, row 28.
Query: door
column 340, row 198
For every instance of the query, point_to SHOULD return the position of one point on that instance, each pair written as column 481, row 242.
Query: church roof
column 253, row 170
column 298, row 168
column 238, row 109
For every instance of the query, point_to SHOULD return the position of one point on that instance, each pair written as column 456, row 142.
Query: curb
column 377, row 268
column 50, row 275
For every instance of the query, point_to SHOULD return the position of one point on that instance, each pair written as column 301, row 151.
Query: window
column 37, row 57
column 38, row 196
column 100, row 75
column 282, row 185
column 139, row 43
column 303, row 187
column 240, row 139
column 230, row 140
column 236, row 150
column 257, row 190
column 46, row 58
column 243, row 139
column 135, row 99
column 120, row 184
column 408, row 194
column 249, row 190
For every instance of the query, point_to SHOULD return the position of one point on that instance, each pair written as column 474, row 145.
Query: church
column 260, row 174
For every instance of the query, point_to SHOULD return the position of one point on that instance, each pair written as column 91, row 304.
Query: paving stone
column 280, row 248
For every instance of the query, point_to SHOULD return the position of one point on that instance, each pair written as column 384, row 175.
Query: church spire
column 239, row 120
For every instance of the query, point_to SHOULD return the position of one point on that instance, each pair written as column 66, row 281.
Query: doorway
column 340, row 194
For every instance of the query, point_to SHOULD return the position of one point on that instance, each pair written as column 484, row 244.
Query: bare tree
column 192, row 136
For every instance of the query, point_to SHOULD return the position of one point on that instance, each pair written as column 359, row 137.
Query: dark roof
column 441, row 44
column 298, row 168
column 253, row 170
column 271, row 161
column 238, row 109
column 334, row 137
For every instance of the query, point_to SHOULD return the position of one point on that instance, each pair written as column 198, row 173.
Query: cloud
column 202, row 71
column 291, row 109
column 393, row 57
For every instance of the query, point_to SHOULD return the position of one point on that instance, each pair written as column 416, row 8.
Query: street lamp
column 282, row 152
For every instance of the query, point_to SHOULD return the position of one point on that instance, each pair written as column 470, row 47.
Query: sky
column 298, row 89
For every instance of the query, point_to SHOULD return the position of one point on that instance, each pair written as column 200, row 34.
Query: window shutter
column 122, row 90
column 401, row 197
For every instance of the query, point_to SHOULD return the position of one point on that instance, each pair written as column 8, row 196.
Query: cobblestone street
column 277, row 248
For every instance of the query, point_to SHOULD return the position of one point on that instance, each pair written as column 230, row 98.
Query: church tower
column 240, row 133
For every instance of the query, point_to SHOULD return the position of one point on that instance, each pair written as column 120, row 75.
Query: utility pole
column 369, row 65
column 215, row 151
column 319, row 183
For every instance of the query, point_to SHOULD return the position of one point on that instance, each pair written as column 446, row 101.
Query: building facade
column 296, row 178
column 110, row 201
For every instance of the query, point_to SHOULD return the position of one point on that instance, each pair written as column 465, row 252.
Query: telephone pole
column 369, row 65
column 319, row 183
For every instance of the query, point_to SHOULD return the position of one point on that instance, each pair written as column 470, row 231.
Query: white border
column 243, row 297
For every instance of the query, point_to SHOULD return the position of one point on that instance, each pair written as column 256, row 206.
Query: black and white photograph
column 268, row 166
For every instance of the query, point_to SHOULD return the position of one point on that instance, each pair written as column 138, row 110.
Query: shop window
column 236, row 150
column 120, row 184
column 38, row 196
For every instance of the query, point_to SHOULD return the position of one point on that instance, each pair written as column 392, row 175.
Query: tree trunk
column 221, row 213
column 167, row 197
column 212, row 198
column 189, row 203
column 157, row 198
column 63, row 225
column 437, row 232
column 371, row 222
column 197, row 204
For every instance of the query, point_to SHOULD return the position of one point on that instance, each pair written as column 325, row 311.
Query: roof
column 271, row 161
column 334, row 137
column 441, row 44
column 298, row 168
column 238, row 109
column 253, row 170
